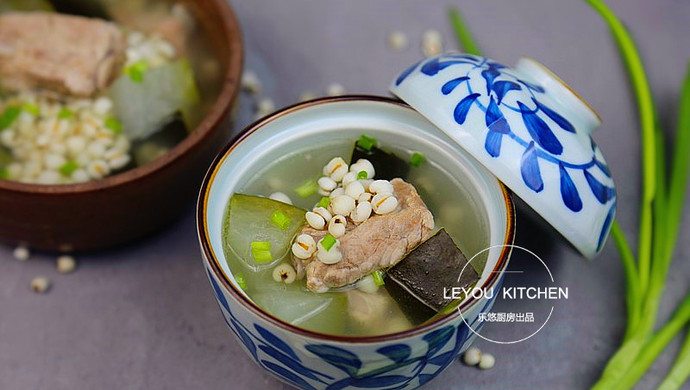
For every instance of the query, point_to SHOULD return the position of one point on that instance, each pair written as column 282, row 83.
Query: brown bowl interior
column 137, row 202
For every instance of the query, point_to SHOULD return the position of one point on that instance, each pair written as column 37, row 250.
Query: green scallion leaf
column 9, row 116
column 114, row 125
column 378, row 278
column 4, row 173
column 307, row 188
column 366, row 142
column 324, row 202
column 65, row 113
column 361, row 175
column 328, row 241
column 462, row 33
column 68, row 168
column 261, row 251
column 31, row 109
column 417, row 159
column 241, row 281
column 281, row 220
column 136, row 71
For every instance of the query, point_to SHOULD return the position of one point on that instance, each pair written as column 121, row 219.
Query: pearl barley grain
column 354, row 190
column 76, row 144
column 307, row 95
column 315, row 220
column 80, row 176
column 349, row 178
column 384, row 203
column 337, row 225
column 266, row 106
column 342, row 205
column 431, row 43
column 280, row 197
column 304, row 246
column 53, row 161
column 97, row 169
column 251, row 82
column 48, row 177
column 325, row 214
column 361, row 213
column 284, row 273
column 337, row 192
column 66, row 264
column 335, row 89
column 21, row 253
column 397, row 40
column 365, row 197
column 336, row 169
column 487, row 361
column 363, row 165
column 367, row 285
column 472, row 356
column 327, row 184
column 381, row 186
column 329, row 256
column 118, row 160
column 40, row 285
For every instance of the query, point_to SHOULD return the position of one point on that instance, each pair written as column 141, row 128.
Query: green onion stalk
column 660, row 213
column 641, row 347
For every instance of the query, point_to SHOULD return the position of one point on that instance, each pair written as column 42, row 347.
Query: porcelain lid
column 529, row 129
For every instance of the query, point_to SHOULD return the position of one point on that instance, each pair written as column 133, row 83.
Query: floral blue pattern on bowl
column 529, row 129
column 402, row 364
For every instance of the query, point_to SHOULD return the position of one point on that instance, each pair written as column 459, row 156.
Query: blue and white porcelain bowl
column 310, row 360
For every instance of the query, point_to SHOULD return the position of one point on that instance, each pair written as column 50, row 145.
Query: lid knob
column 560, row 92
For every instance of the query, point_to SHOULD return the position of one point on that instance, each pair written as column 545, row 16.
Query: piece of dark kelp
column 388, row 166
column 417, row 282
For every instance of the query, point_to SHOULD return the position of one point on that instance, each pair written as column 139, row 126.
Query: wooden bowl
column 137, row 202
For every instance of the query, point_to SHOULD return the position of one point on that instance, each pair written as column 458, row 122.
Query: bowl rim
column 214, row 265
column 230, row 81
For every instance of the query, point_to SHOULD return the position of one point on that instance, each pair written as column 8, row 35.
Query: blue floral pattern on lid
column 526, row 127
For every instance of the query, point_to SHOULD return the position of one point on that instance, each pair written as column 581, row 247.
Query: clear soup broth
column 353, row 312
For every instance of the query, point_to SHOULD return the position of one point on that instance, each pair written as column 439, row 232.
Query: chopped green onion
column 324, row 202
column 307, row 188
column 261, row 250
column 68, row 168
column 417, row 159
column 378, row 278
column 114, row 125
column 261, row 245
column 328, row 241
column 9, row 116
column 241, row 281
column 280, row 219
column 65, row 113
column 366, row 142
column 31, row 109
column 4, row 173
column 136, row 71
column 361, row 175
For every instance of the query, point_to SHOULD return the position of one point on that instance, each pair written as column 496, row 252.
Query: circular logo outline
column 511, row 246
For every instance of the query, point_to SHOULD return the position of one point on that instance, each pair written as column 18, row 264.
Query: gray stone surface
column 143, row 316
